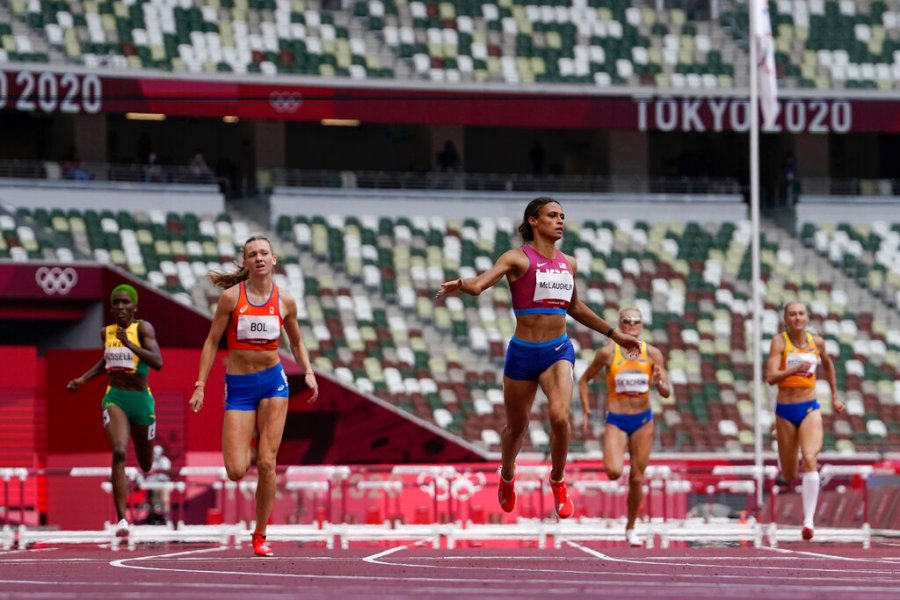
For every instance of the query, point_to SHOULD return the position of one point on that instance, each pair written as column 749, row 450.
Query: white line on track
column 867, row 560
column 154, row 584
column 603, row 556
column 374, row 558
column 690, row 580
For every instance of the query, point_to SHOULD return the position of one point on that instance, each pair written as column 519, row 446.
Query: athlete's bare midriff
column 540, row 328
column 132, row 382
column 246, row 362
column 795, row 395
column 628, row 406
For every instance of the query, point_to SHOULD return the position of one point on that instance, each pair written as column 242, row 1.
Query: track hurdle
column 776, row 534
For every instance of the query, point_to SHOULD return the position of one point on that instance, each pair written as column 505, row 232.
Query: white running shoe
column 633, row 539
column 122, row 528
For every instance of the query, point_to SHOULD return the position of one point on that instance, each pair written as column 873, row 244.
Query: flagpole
column 754, row 240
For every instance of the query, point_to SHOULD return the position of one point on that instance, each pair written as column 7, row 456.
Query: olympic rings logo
column 460, row 488
column 56, row 280
column 286, row 102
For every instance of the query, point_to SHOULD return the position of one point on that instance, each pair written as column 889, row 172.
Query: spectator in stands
column 789, row 179
column 542, row 282
column 153, row 171
column 199, row 170
column 629, row 419
column 129, row 350
column 793, row 359
column 71, row 167
column 251, row 312
column 448, row 158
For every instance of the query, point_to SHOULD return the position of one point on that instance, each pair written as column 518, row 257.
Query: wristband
column 199, row 384
column 610, row 332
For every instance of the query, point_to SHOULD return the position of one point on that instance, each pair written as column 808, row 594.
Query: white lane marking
column 131, row 584
column 374, row 558
column 603, row 556
column 868, row 560
column 121, row 562
column 627, row 577
column 628, row 582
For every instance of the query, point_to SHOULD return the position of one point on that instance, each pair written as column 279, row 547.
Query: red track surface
column 175, row 571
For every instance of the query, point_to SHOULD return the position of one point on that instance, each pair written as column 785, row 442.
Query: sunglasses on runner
column 630, row 320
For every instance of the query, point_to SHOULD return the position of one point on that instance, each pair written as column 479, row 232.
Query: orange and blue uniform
column 628, row 378
column 255, row 327
column 792, row 355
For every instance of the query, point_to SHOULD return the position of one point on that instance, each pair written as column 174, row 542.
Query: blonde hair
column 224, row 280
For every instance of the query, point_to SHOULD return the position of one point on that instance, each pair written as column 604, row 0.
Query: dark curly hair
column 532, row 210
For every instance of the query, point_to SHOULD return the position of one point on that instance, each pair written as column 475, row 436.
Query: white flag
column 765, row 51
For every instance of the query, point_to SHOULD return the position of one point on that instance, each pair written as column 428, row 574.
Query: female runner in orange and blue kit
column 251, row 312
column 793, row 359
column 629, row 418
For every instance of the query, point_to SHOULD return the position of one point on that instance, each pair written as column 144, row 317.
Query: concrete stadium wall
column 115, row 196
column 462, row 205
column 848, row 209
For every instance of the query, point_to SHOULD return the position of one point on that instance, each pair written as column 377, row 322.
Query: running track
column 176, row 571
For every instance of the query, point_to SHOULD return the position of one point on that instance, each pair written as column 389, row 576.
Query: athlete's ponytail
column 224, row 280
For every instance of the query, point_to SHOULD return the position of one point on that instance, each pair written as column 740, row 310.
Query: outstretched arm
column 828, row 366
column 659, row 376
column 226, row 304
column 298, row 349
column 600, row 362
column 774, row 374
column 148, row 351
column 511, row 262
column 98, row 369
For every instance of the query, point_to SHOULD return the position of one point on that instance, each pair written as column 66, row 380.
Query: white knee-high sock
column 809, row 491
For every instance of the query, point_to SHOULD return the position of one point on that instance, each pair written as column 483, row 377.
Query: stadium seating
column 823, row 44
column 369, row 317
column 512, row 41
column 830, row 44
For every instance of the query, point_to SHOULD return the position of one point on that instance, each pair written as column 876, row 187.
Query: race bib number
column 810, row 361
column 632, row 383
column 119, row 358
column 151, row 431
column 555, row 286
column 106, row 417
column 258, row 329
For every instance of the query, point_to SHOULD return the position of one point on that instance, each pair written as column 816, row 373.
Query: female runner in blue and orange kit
column 129, row 350
column 542, row 282
column 629, row 419
column 251, row 312
column 793, row 359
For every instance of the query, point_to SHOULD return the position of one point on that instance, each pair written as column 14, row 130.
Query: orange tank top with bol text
column 793, row 355
column 252, row 326
column 627, row 378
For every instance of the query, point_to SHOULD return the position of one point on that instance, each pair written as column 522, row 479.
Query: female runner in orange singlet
column 251, row 312
column 629, row 419
column 793, row 358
